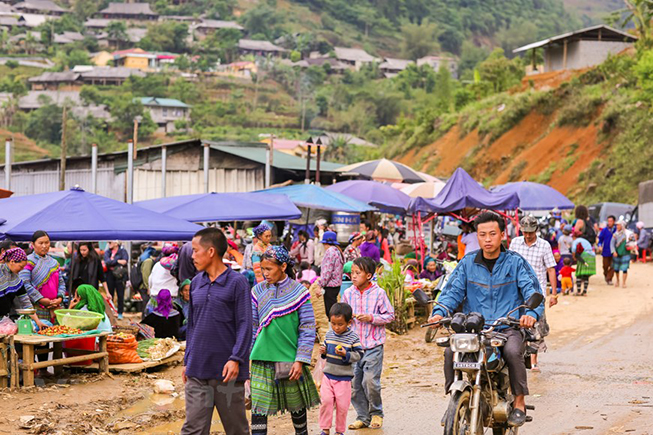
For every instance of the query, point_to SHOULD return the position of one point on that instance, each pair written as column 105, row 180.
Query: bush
column 516, row 171
column 579, row 108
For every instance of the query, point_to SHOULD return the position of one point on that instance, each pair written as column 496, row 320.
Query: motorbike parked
column 480, row 394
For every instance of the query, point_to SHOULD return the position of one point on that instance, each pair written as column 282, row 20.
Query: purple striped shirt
column 372, row 301
column 332, row 265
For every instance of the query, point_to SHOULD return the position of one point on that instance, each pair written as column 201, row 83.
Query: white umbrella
column 428, row 189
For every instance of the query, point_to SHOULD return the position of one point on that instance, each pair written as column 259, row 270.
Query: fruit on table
column 60, row 330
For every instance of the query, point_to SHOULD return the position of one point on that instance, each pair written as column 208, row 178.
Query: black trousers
column 116, row 287
column 513, row 354
column 330, row 298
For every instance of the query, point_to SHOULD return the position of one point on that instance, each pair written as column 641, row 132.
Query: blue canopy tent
column 383, row 196
column 462, row 191
column 536, row 196
column 76, row 215
column 225, row 207
column 318, row 198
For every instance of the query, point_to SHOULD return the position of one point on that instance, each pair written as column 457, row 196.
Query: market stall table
column 28, row 343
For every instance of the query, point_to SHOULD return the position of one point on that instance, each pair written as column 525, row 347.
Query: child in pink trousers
column 341, row 349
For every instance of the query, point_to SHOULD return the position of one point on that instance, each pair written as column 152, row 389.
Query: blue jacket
column 510, row 284
column 605, row 236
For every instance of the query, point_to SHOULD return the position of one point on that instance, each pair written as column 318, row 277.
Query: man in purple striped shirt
column 218, row 340
column 372, row 311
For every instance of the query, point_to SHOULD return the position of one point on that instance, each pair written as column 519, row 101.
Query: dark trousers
column 203, row 395
column 116, row 287
column 513, row 354
column 608, row 271
column 299, row 422
column 330, row 298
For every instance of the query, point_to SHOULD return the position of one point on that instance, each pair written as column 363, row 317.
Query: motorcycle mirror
column 421, row 297
column 535, row 300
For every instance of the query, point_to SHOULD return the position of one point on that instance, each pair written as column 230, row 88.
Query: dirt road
column 596, row 379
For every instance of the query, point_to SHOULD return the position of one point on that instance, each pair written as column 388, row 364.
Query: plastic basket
column 84, row 320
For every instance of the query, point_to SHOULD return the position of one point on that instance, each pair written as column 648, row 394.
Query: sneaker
column 119, row 316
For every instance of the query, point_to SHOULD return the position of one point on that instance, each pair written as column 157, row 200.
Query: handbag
column 282, row 370
column 119, row 272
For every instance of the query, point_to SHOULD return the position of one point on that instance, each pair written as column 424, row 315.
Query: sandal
column 357, row 425
column 536, row 369
column 377, row 422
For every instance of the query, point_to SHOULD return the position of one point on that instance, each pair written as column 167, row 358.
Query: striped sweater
column 340, row 368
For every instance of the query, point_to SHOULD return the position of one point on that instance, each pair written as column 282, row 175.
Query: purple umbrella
column 536, row 196
column 383, row 196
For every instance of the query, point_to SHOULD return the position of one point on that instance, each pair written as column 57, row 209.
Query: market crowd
column 252, row 304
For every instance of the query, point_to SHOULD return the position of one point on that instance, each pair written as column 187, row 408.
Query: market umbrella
column 462, row 191
column 76, row 215
column 385, row 170
column 225, row 207
column 536, row 196
column 428, row 189
column 383, row 196
column 319, row 198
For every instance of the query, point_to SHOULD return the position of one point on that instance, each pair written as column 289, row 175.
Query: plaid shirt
column 539, row 255
column 372, row 301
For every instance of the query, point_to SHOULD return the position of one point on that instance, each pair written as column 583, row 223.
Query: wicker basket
column 126, row 329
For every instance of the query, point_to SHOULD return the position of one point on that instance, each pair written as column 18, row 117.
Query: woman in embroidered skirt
column 12, row 261
column 284, row 333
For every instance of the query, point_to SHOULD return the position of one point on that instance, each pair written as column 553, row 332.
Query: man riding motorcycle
column 493, row 281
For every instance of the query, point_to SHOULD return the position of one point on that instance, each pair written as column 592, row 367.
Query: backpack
column 588, row 232
column 136, row 276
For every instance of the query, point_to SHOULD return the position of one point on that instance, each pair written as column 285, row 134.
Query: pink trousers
column 334, row 394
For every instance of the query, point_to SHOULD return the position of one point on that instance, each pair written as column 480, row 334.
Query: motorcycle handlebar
column 444, row 321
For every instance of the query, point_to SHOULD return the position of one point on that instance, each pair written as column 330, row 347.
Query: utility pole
column 137, row 120
column 62, row 164
column 8, row 163
column 318, row 144
column 164, row 168
column 94, row 168
column 130, row 172
column 307, row 176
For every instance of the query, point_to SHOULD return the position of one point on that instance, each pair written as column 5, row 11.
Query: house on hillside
column 165, row 111
column 34, row 20
column 67, row 38
column 102, row 58
column 45, row 7
column 97, row 24
column 107, row 75
column 206, row 27
column 128, row 11
column 6, row 9
column 136, row 58
column 260, row 48
column 355, row 57
column 36, row 99
column 53, row 81
column 436, row 62
column 243, row 69
column 391, row 67
column 580, row 49
column 233, row 167
column 8, row 22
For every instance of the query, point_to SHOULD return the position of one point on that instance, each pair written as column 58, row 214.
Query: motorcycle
column 480, row 393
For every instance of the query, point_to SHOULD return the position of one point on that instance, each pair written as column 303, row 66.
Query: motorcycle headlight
column 465, row 343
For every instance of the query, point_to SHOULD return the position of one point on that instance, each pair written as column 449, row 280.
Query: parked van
column 600, row 212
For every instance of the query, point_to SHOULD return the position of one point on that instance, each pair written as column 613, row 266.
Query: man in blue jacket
column 493, row 281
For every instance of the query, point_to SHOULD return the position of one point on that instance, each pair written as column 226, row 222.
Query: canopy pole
column 130, row 171
column 206, row 168
column 164, row 167
column 94, row 168
column 8, row 163
column 317, row 166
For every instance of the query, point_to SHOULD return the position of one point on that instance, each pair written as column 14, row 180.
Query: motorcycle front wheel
column 430, row 334
column 457, row 420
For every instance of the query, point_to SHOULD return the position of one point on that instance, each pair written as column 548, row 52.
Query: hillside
column 588, row 136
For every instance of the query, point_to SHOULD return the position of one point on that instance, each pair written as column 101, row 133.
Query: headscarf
column 164, row 303
column 169, row 250
column 184, row 283
column 90, row 298
column 280, row 254
column 427, row 260
column 258, row 231
column 15, row 255
column 169, row 262
column 620, row 235
column 639, row 225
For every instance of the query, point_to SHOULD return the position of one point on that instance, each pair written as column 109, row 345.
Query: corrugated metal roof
column 163, row 102
column 218, row 24
column 280, row 160
column 128, row 9
column 564, row 36
column 40, row 5
column 250, row 44
column 354, row 55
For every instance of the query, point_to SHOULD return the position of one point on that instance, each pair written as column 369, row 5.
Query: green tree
column 86, row 8
column 152, row 85
column 263, row 20
column 418, row 40
column 644, row 72
column 166, row 36
column 91, row 95
column 117, row 32
column 416, row 77
column 444, row 89
column 500, row 72
column 68, row 60
column 640, row 14
column 124, row 109
column 44, row 124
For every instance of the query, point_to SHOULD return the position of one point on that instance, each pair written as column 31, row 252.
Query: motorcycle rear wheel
column 505, row 431
column 458, row 415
